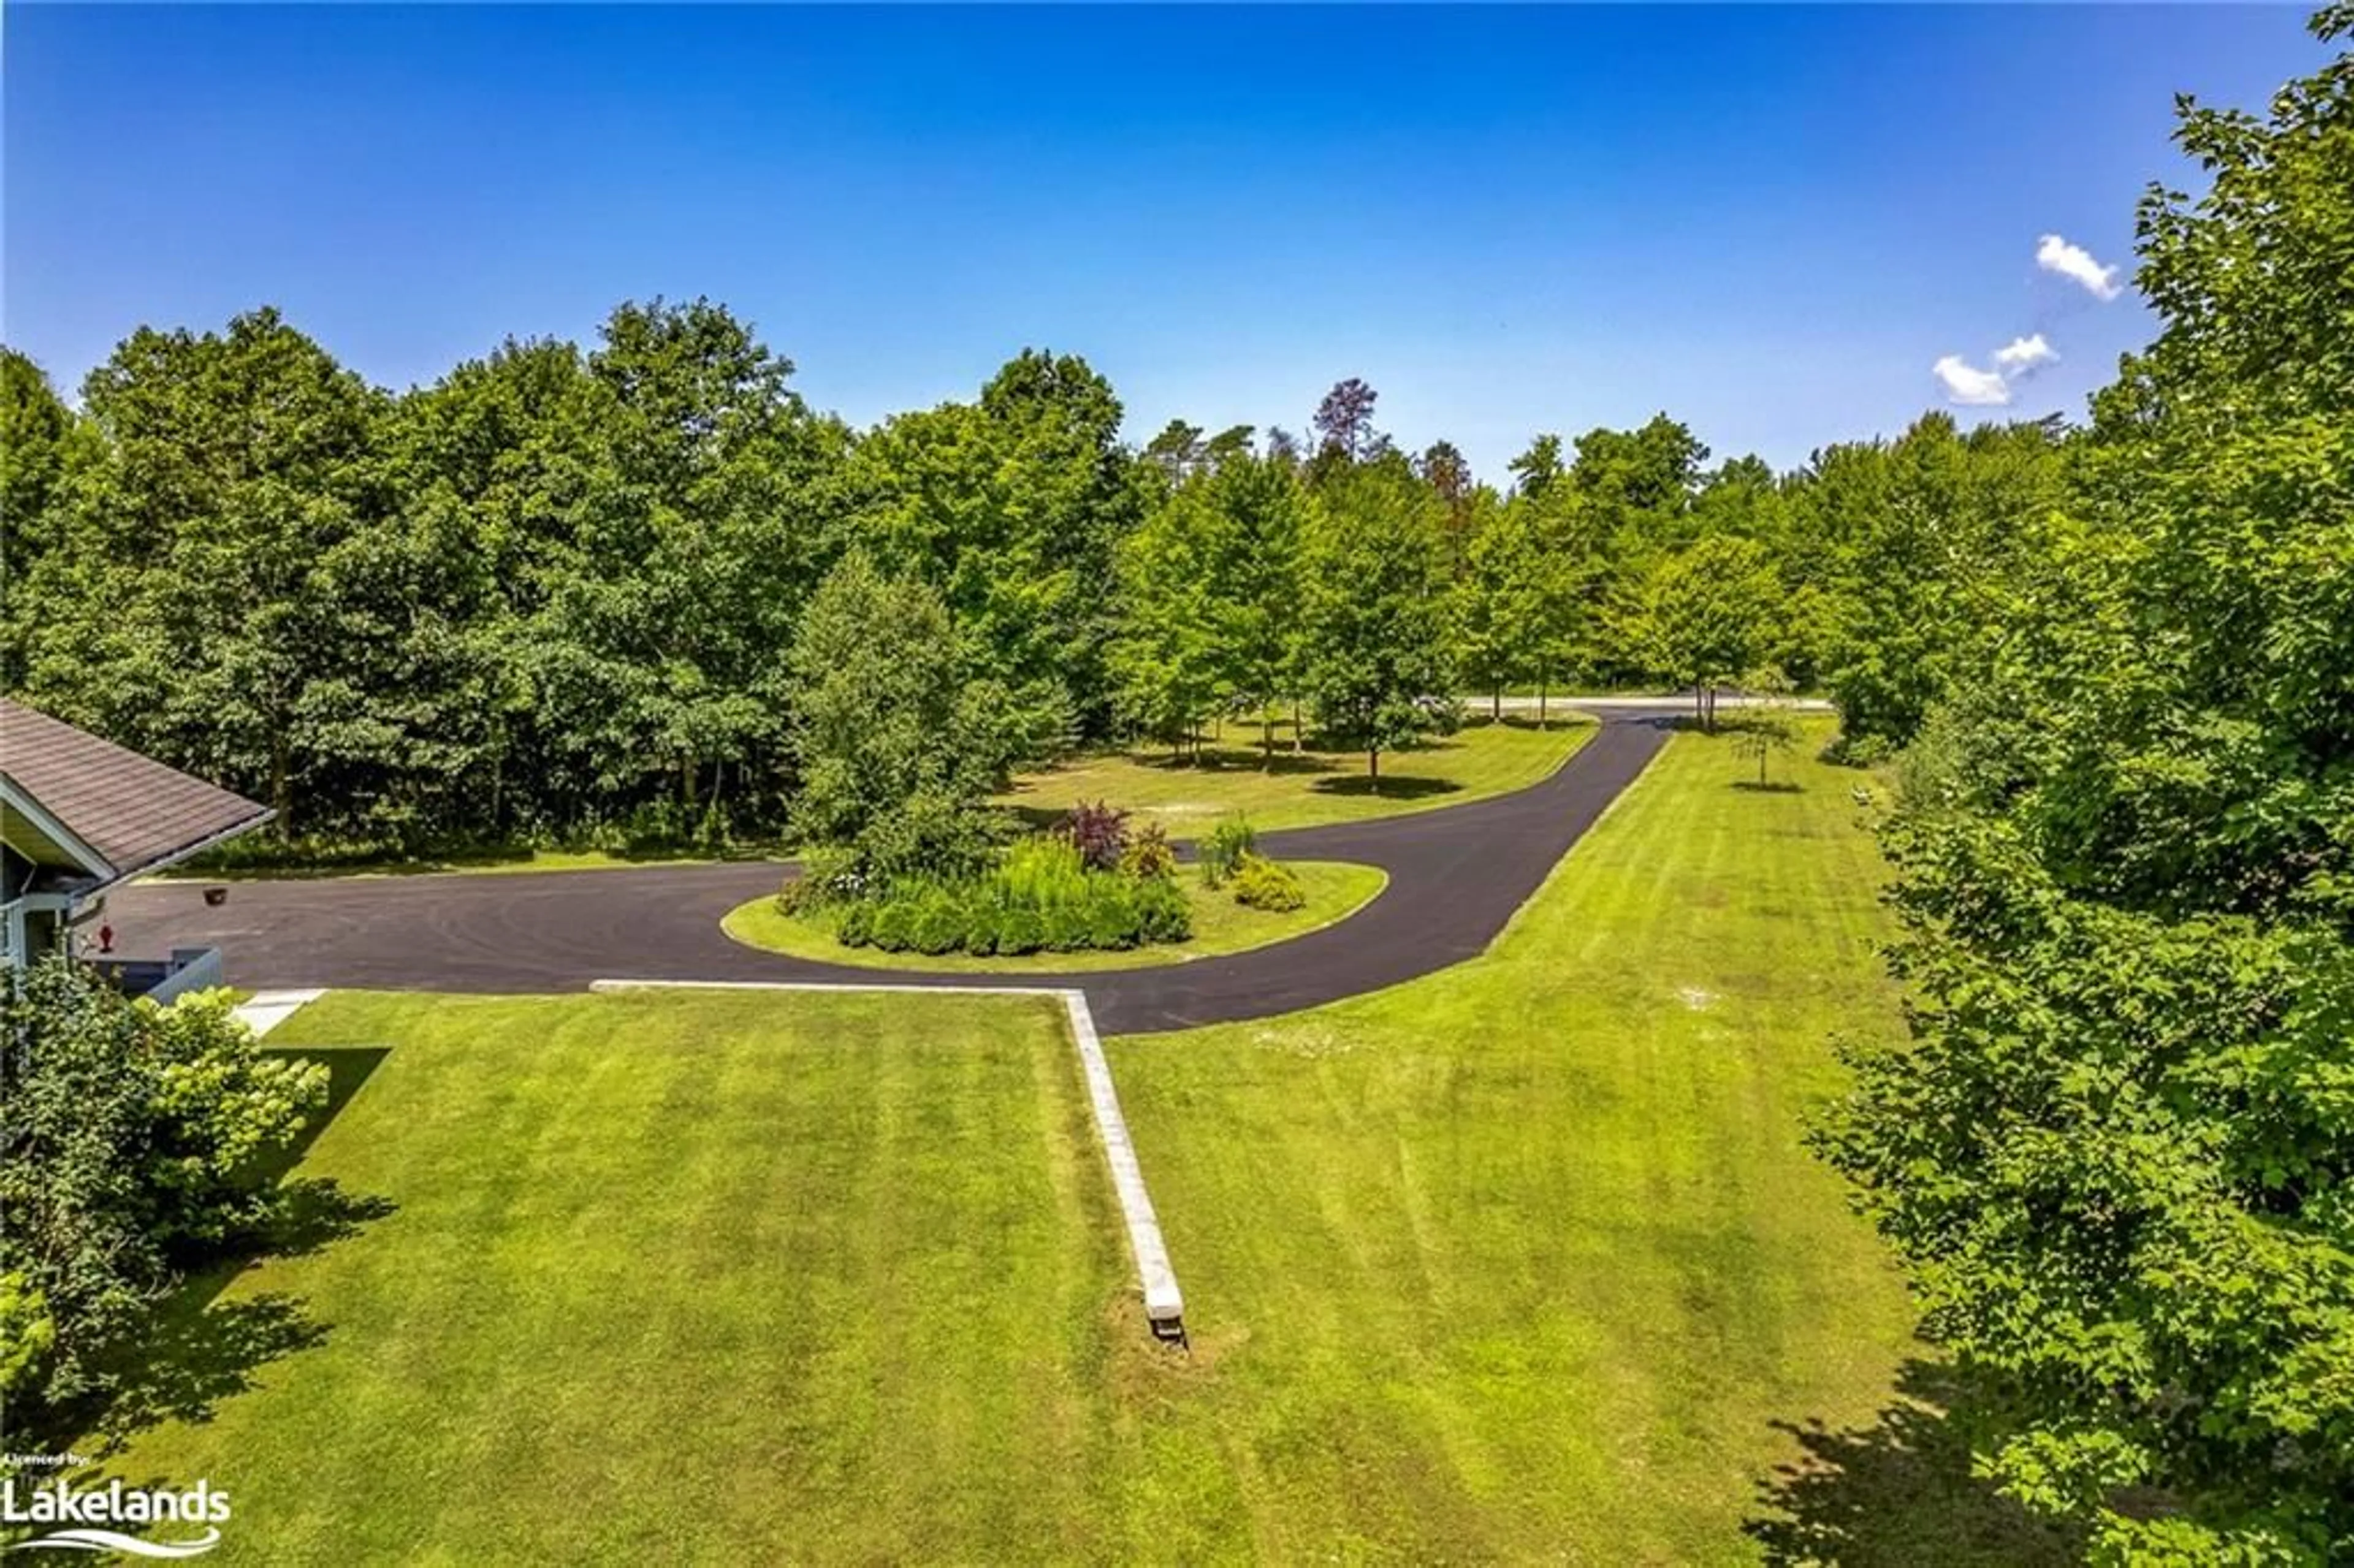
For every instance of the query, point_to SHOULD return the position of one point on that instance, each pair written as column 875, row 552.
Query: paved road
column 1455, row 876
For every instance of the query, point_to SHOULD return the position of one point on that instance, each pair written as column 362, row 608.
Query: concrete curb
column 1164, row 1305
column 266, row 1010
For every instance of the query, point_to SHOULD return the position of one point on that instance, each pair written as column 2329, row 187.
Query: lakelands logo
column 87, row 1516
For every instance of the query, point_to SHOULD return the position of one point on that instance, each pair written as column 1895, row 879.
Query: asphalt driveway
column 1457, row 874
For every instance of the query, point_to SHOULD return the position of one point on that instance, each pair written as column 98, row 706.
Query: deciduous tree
column 1378, row 670
column 2117, row 1157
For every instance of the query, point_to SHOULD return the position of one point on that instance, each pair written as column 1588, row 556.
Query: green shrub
column 1112, row 920
column 1162, row 914
column 801, row 896
column 138, row 1145
column 1261, row 883
column 939, row 922
column 980, row 931
column 1063, row 927
column 1041, row 871
column 1018, row 932
column 1041, row 898
column 1223, row 851
column 27, row 1333
column 893, row 924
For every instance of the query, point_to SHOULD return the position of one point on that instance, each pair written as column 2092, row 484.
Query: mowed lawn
column 1305, row 787
column 1521, row 1262
column 724, row 1277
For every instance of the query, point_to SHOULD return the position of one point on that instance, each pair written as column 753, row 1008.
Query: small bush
column 981, row 934
column 800, row 895
column 1162, row 914
column 1261, row 883
column 893, row 918
column 941, row 922
column 1041, row 871
column 856, row 926
column 1099, row 833
column 1223, row 851
column 1063, row 927
column 1149, row 856
column 1112, row 921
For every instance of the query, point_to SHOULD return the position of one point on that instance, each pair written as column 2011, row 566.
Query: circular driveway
column 1456, row 874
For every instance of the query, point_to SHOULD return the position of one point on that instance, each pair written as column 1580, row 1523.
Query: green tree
column 1014, row 509
column 1768, row 723
column 897, row 750
column 46, row 453
column 1923, row 540
column 203, row 623
column 1170, row 657
column 1708, row 612
column 492, row 464
column 702, row 524
column 1446, row 471
column 2116, row 1156
column 1378, row 670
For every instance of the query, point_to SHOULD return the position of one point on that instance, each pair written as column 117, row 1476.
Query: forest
column 553, row 596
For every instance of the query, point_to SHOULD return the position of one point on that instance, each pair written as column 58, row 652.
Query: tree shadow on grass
column 1775, row 786
column 1898, row 1492
column 1388, row 787
column 1233, row 760
column 199, row 1350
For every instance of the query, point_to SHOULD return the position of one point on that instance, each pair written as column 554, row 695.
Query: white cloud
column 2022, row 354
column 1968, row 385
column 2054, row 254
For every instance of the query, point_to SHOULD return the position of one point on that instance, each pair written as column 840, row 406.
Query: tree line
column 556, row 592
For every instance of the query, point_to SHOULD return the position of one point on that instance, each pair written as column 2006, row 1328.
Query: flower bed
column 1043, row 897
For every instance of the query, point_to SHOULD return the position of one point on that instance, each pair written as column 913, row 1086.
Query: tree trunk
column 1266, row 741
column 1545, row 701
column 1374, row 767
column 1299, row 731
column 1699, row 706
column 1496, row 706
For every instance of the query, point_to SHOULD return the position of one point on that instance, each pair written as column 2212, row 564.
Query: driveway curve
column 1457, row 874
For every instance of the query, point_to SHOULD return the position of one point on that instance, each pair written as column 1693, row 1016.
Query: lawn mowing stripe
column 1164, row 1304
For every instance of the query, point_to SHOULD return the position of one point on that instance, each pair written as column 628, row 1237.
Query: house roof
column 134, row 812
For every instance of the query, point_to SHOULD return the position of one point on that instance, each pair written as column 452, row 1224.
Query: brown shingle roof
column 130, row 808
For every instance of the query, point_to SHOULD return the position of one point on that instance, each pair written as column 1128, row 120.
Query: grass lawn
column 1521, row 1261
column 665, row 1278
column 1303, row 788
column 1335, row 891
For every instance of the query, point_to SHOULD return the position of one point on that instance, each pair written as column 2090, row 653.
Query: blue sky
column 1771, row 223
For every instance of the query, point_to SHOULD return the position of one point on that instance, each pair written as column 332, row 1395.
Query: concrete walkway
column 1457, row 874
